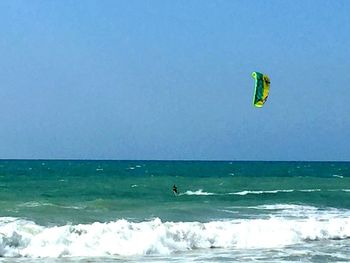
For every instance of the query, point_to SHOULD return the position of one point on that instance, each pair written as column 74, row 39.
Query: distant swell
column 21, row 238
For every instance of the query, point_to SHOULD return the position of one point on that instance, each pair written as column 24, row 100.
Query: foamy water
column 197, row 192
column 23, row 238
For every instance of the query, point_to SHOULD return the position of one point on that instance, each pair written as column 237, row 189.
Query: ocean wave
column 299, row 212
column 256, row 192
column 338, row 176
column 246, row 192
column 198, row 192
column 292, row 207
column 34, row 204
column 310, row 190
column 292, row 210
column 22, row 238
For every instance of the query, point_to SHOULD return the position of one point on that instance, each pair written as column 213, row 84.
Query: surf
column 23, row 238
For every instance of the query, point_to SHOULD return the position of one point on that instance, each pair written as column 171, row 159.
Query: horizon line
column 163, row 160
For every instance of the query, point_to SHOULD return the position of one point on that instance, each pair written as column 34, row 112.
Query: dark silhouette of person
column 175, row 189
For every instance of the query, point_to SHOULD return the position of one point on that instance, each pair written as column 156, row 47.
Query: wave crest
column 21, row 238
column 198, row 192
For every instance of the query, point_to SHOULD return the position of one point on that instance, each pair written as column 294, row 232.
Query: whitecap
column 338, row 176
column 198, row 192
column 34, row 204
column 21, row 238
column 310, row 190
column 246, row 192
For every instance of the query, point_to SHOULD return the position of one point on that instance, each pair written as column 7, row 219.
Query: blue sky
column 172, row 79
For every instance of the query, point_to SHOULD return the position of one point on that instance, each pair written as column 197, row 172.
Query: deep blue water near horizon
column 239, row 211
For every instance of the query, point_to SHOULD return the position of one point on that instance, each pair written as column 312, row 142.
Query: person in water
column 175, row 190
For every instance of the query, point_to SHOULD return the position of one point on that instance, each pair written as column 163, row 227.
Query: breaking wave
column 198, row 192
column 23, row 238
column 258, row 192
column 246, row 192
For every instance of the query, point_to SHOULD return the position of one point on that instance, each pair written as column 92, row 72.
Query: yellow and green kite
column 261, row 91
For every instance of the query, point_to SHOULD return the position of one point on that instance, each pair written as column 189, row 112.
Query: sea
column 126, row 211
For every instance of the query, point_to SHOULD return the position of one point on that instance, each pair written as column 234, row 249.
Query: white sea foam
column 198, row 192
column 246, row 192
column 310, row 190
column 291, row 207
column 298, row 212
column 22, row 238
column 34, row 204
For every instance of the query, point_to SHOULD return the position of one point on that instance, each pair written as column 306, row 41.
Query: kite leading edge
column 261, row 91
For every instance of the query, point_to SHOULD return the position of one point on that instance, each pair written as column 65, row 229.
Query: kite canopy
column 261, row 91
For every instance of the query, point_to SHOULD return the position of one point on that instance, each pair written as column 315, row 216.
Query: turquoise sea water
column 116, row 211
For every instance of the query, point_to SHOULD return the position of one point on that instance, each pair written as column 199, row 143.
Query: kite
column 261, row 91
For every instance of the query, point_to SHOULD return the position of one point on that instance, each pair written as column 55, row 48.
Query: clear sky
column 172, row 79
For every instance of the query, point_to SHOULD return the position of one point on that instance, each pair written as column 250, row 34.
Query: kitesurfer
column 175, row 190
